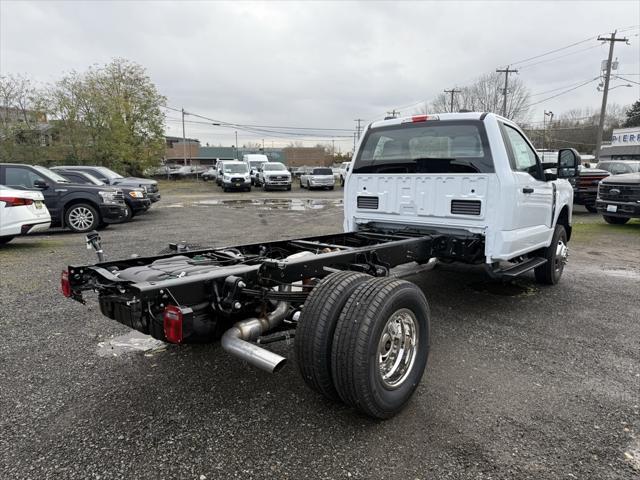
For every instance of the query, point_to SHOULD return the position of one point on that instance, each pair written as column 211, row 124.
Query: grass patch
column 589, row 231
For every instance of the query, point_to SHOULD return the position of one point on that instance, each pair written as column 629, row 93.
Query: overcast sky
column 321, row 64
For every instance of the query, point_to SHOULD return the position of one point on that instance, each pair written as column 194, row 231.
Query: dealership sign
column 626, row 136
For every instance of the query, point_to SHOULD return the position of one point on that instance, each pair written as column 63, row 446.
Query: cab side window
column 523, row 158
column 21, row 177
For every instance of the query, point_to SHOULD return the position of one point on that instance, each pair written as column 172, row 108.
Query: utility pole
column 184, row 142
column 603, row 110
column 393, row 113
column 333, row 148
column 236, row 145
column 452, row 92
column 506, row 72
column 544, row 127
column 358, row 128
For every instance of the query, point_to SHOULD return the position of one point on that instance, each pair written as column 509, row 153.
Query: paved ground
column 522, row 381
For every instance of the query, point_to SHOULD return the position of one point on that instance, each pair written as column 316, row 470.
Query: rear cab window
column 434, row 146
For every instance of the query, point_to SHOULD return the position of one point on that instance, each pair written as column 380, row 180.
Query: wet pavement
column 523, row 381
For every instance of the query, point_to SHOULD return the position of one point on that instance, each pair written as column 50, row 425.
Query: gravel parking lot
column 522, row 381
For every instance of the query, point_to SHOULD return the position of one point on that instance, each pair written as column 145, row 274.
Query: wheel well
column 76, row 201
column 563, row 219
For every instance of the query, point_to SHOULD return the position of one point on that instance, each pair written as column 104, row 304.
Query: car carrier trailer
column 457, row 187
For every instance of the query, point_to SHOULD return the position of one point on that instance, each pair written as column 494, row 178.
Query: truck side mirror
column 40, row 184
column 568, row 163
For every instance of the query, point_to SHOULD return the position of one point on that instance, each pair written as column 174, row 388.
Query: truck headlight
column 136, row 194
column 109, row 197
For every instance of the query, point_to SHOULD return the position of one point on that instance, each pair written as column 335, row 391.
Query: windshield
column 322, row 171
column 235, row 168
column 616, row 168
column 110, row 174
column 273, row 167
column 426, row 147
column 92, row 179
column 51, row 174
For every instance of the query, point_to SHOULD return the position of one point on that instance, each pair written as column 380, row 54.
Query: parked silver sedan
column 318, row 177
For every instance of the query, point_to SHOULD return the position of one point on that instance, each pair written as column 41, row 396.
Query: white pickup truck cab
column 470, row 173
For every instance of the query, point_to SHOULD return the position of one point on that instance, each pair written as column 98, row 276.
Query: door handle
column 527, row 190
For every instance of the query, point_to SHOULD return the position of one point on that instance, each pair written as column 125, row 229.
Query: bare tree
column 485, row 95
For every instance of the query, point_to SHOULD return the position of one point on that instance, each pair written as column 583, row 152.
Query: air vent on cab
column 370, row 203
column 466, row 207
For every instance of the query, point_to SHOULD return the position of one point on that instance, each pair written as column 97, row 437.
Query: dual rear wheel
column 364, row 341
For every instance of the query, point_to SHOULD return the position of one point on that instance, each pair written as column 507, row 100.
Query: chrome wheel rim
column 81, row 218
column 562, row 254
column 397, row 348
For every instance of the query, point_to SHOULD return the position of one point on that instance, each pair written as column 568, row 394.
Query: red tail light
column 172, row 320
column 65, row 285
column 16, row 201
column 419, row 118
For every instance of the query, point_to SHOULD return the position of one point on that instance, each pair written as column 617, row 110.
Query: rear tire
column 314, row 334
column 591, row 208
column 556, row 255
column 615, row 220
column 380, row 346
column 4, row 240
column 82, row 218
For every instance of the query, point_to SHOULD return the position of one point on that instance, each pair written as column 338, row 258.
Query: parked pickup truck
column 465, row 187
column 619, row 198
column 81, row 208
column 585, row 187
column 273, row 175
column 318, row 177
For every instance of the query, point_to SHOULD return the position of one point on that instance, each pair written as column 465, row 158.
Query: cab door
column 534, row 197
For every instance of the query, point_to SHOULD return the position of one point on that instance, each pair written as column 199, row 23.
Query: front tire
column 556, row 255
column 380, row 346
column 82, row 218
column 129, row 213
column 5, row 240
column 591, row 208
column 315, row 331
column 615, row 220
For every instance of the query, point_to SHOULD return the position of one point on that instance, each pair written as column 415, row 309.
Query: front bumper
column 153, row 196
column 277, row 183
column 139, row 204
column 239, row 185
column 112, row 213
column 622, row 209
column 582, row 197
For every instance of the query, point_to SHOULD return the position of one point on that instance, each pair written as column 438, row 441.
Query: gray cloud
column 316, row 63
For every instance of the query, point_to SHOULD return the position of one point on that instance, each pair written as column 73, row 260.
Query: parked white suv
column 274, row 175
column 21, row 212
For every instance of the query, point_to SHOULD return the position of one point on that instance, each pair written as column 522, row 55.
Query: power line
column 561, row 93
column 553, row 51
column 626, row 79
column 560, row 56
column 559, row 88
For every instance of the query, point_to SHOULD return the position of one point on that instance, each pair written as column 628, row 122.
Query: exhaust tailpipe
column 237, row 339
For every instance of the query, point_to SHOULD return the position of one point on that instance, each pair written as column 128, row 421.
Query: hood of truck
column 437, row 200
column 626, row 178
